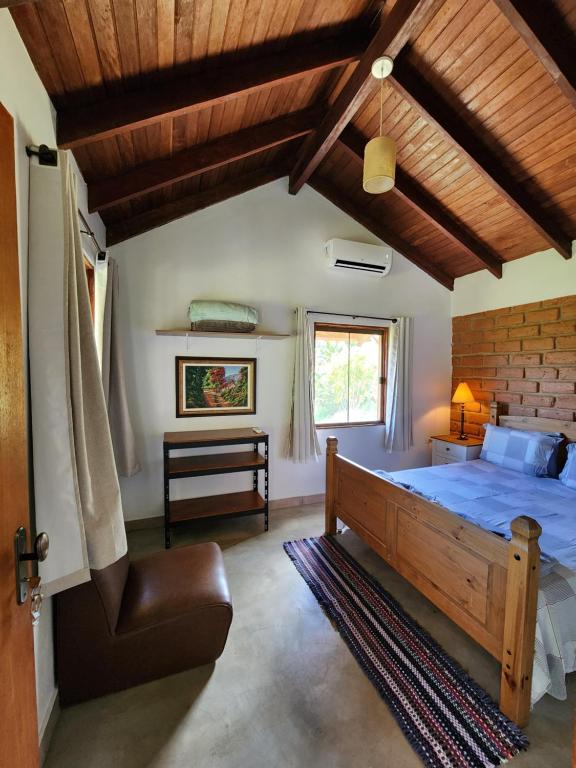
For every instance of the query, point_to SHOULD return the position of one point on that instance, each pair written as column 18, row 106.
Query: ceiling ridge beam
column 453, row 127
column 136, row 109
column 413, row 194
column 356, row 212
column 116, row 232
column 405, row 20
column 157, row 174
column 535, row 29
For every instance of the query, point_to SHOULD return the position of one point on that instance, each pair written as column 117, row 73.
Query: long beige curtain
column 303, row 442
column 399, row 396
column 114, row 383
column 98, row 490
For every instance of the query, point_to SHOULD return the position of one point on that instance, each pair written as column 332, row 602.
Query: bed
column 486, row 583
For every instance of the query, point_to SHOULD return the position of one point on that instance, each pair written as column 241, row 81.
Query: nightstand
column 448, row 449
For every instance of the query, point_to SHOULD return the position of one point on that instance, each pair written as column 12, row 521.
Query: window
column 349, row 374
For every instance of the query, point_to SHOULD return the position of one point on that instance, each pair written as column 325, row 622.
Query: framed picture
column 215, row 386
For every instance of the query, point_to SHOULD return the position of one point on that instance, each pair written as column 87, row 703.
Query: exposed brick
column 508, row 397
column 483, row 396
column 516, row 410
column 559, row 301
column 543, row 315
column 555, row 413
column 510, row 373
column 539, row 344
column 566, row 401
column 523, row 386
column 508, row 346
column 509, row 321
column 483, row 323
column 460, row 323
column 540, row 401
column 558, row 387
column 541, row 373
column 569, row 312
column 566, row 342
column 476, row 361
column 567, row 374
column 524, row 331
column 499, row 334
column 561, row 358
column 467, row 373
column 526, row 307
column 496, row 385
column 495, row 360
column 526, row 359
column 496, row 312
column 564, row 328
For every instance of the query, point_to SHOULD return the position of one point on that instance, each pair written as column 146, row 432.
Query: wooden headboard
column 533, row 423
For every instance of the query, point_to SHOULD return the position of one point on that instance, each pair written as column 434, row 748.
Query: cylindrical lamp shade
column 379, row 165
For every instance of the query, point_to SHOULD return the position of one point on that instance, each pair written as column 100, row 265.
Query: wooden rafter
column 143, row 222
column 13, row 3
column 533, row 24
column 406, row 18
column 456, row 130
column 355, row 211
column 119, row 114
column 201, row 158
column 413, row 194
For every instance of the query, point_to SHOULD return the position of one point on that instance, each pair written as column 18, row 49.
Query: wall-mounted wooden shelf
column 212, row 334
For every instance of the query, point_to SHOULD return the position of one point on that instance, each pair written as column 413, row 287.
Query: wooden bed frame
column 488, row 586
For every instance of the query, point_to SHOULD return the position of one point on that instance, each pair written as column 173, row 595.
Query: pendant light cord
column 381, row 94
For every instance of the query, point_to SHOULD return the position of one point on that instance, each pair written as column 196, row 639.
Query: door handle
column 21, row 557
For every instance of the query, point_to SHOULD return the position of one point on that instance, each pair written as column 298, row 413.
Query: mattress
column 491, row 497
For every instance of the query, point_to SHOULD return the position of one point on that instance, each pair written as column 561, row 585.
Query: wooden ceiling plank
column 532, row 26
column 144, row 222
column 199, row 159
column 358, row 213
column 456, row 129
column 411, row 192
column 406, row 19
column 136, row 109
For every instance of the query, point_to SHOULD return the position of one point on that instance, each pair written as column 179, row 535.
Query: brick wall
column 523, row 357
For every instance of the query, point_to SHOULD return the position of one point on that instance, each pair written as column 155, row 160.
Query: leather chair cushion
column 171, row 584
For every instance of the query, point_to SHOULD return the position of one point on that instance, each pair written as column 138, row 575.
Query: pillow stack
column 533, row 453
column 568, row 474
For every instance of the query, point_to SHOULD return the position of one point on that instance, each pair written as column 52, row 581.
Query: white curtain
column 303, row 442
column 399, row 394
column 114, row 382
column 76, row 490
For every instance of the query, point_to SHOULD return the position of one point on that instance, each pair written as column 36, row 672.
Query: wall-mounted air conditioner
column 360, row 257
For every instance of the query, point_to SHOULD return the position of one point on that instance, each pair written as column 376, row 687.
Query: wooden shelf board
column 218, row 335
column 200, row 437
column 217, row 463
column 241, row 502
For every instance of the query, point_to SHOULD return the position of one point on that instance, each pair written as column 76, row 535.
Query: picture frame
column 215, row 386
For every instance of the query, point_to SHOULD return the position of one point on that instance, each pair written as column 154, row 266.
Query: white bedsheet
column 491, row 497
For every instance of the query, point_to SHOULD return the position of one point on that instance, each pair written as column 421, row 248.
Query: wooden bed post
column 520, row 619
column 494, row 413
column 330, row 517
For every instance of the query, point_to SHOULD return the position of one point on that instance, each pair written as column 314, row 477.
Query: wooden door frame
column 18, row 715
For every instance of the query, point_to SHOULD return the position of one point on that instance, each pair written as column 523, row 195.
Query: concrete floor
column 286, row 693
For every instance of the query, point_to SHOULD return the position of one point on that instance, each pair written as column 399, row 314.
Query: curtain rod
column 354, row 317
column 101, row 253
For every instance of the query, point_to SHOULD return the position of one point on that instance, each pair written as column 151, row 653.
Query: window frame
column 382, row 331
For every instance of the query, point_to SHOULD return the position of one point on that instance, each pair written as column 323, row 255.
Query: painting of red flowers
column 215, row 386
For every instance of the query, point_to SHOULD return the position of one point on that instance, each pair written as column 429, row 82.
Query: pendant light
column 380, row 153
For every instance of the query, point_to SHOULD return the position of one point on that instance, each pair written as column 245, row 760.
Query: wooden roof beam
column 143, row 222
column 406, row 18
column 136, row 109
column 533, row 23
column 149, row 177
column 413, row 194
column 457, row 131
column 380, row 230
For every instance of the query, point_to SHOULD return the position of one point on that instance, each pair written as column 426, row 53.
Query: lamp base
column 462, row 437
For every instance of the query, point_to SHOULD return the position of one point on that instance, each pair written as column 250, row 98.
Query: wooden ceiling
column 172, row 105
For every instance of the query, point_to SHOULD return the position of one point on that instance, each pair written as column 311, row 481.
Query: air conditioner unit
column 360, row 257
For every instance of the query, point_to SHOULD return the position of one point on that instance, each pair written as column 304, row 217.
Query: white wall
column 540, row 276
column 24, row 96
column 264, row 248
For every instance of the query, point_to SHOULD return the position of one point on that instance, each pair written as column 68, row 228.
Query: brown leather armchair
column 138, row 621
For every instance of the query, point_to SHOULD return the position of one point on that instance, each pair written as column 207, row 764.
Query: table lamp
column 462, row 396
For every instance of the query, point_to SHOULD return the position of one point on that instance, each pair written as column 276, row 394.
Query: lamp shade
column 379, row 165
column 463, row 394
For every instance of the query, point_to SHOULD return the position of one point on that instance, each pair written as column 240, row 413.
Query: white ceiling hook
column 382, row 67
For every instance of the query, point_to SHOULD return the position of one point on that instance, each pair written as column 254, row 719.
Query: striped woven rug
column 447, row 718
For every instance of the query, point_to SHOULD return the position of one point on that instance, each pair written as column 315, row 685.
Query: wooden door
column 18, row 721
